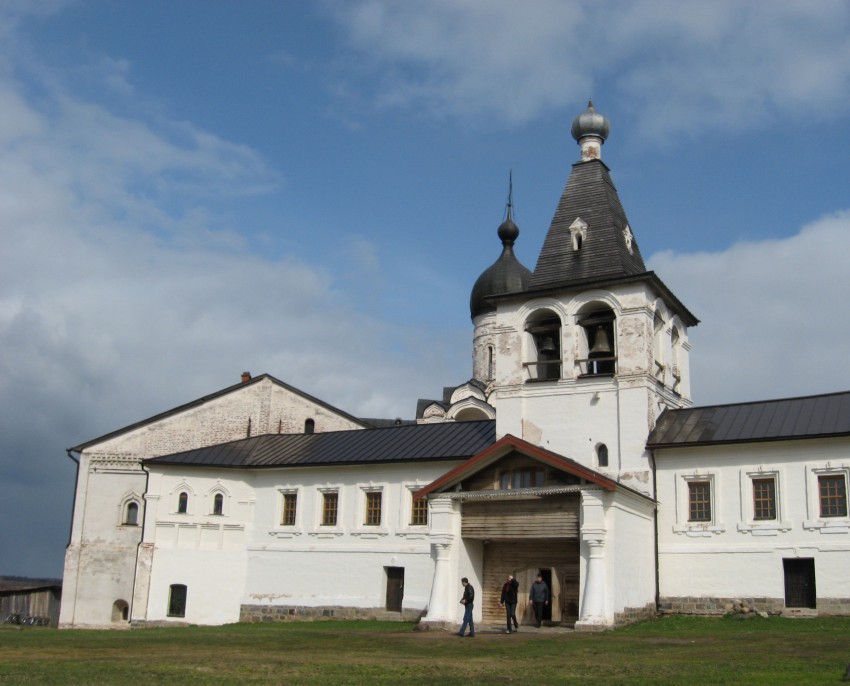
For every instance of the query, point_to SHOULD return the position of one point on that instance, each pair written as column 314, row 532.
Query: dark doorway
column 800, row 588
column 547, row 579
column 395, row 588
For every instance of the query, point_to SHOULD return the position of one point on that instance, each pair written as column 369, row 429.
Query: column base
column 592, row 624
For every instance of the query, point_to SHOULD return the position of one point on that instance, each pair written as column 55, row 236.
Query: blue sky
column 193, row 189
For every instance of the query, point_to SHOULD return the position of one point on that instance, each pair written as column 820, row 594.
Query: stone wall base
column 630, row 615
column 772, row 606
column 297, row 613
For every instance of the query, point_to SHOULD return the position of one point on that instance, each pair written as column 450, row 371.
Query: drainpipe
column 141, row 540
column 655, row 527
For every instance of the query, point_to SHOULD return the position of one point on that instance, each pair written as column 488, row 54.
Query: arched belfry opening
column 597, row 341
column 543, row 344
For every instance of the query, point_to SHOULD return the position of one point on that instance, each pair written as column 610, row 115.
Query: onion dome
column 505, row 275
column 590, row 129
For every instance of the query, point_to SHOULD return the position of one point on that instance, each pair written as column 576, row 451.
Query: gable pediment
column 520, row 462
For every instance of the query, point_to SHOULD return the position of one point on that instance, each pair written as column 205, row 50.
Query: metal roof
column 816, row 416
column 419, row 442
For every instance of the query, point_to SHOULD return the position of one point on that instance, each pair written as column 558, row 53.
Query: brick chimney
column 246, row 376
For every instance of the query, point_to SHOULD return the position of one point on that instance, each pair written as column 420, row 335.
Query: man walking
column 467, row 602
column 539, row 597
column 509, row 601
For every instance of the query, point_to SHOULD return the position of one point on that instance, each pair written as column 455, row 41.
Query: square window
column 373, row 508
column 330, row 505
column 764, row 499
column 699, row 501
column 832, row 493
column 290, row 502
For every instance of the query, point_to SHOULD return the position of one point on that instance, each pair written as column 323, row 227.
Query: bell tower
column 589, row 348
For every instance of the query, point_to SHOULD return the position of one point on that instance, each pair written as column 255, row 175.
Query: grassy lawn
column 673, row 650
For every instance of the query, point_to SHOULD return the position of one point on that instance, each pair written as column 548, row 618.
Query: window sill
column 370, row 532
column 290, row 532
column 764, row 528
column 700, row 530
column 839, row 525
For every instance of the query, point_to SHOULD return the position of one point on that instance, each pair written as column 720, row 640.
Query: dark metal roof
column 816, row 416
column 9, row 584
column 212, row 396
column 419, row 442
column 590, row 194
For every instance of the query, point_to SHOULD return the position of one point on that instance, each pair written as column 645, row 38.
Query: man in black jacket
column 467, row 602
column 538, row 596
column 509, row 601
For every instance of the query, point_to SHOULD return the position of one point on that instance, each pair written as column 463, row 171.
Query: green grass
column 673, row 650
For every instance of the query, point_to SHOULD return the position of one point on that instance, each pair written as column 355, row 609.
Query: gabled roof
column 511, row 444
column 589, row 195
column 818, row 416
column 212, row 396
column 408, row 443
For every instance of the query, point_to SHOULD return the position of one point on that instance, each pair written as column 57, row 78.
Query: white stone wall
column 100, row 559
column 734, row 556
column 250, row 558
column 573, row 415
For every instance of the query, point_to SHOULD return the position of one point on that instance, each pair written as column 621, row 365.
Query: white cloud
column 772, row 314
column 681, row 66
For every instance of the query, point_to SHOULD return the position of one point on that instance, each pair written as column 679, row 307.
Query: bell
column 601, row 346
column 547, row 347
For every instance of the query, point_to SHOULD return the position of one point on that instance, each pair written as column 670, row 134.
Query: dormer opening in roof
column 590, row 129
column 578, row 233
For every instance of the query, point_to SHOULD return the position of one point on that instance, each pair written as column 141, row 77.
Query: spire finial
column 508, row 231
column 510, row 194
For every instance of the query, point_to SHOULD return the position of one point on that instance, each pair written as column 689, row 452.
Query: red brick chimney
column 246, row 376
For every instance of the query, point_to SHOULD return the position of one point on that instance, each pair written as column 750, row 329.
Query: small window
column 419, row 512
column 177, row 600
column 218, row 504
column 131, row 514
column 373, row 508
column 290, row 502
column 699, row 501
column 330, row 504
column 764, row 499
column 183, row 503
column 832, row 491
column 522, row 478
column 309, row 426
column 602, row 455
column 491, row 363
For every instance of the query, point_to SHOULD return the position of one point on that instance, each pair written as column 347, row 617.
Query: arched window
column 218, row 504
column 544, row 341
column 177, row 600
column 602, row 455
column 597, row 326
column 309, row 426
column 131, row 514
column 120, row 611
column 183, row 503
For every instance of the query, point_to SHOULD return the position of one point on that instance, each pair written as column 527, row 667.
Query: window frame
column 749, row 523
column 289, row 509
column 509, row 478
column 700, row 502
column 373, row 508
column 327, row 496
column 697, row 528
column 170, row 611
column 817, row 520
column 829, row 500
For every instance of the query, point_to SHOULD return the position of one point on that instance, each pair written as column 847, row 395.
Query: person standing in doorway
column 538, row 596
column 467, row 601
column 509, row 601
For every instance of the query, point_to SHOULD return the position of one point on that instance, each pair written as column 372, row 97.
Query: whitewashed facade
column 572, row 465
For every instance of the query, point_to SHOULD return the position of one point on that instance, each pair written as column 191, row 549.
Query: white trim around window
column 404, row 527
column 360, row 527
column 279, row 529
column 328, row 530
column 683, row 525
column 762, row 527
column 814, row 521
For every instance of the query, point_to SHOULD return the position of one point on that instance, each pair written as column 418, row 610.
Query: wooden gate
column 800, row 582
column 524, row 559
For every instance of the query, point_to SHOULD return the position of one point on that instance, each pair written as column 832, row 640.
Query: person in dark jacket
column 467, row 601
column 509, row 601
column 538, row 596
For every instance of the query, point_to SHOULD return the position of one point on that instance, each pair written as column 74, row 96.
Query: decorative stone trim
column 294, row 613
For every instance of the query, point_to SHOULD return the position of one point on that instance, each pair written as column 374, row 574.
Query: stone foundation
column 719, row 606
column 297, row 613
column 630, row 615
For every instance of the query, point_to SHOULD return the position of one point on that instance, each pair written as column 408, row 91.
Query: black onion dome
column 505, row 275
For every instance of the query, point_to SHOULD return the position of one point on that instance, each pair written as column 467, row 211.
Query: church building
column 573, row 452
